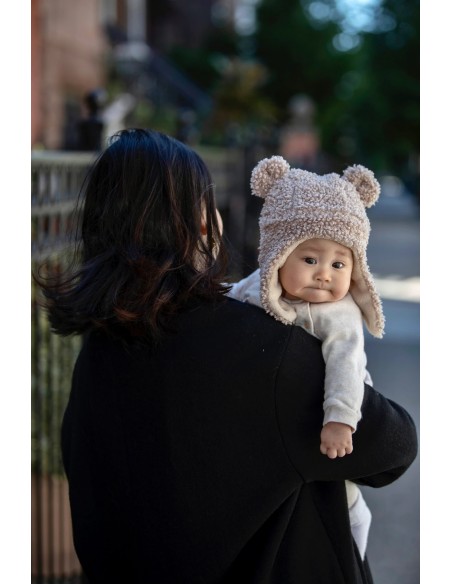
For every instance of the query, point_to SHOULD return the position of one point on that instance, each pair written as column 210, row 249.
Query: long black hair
column 142, row 256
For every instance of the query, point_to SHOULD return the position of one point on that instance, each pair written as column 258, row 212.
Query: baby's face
column 318, row 270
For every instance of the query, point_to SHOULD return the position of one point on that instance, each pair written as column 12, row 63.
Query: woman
column 190, row 440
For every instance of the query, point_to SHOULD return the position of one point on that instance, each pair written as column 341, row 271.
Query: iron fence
column 57, row 178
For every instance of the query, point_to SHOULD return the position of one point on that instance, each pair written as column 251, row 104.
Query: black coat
column 198, row 462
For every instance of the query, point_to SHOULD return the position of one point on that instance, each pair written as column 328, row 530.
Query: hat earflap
column 266, row 173
column 365, row 183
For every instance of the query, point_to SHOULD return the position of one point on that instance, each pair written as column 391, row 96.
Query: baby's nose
column 323, row 275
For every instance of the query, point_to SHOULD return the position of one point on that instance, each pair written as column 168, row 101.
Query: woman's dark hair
column 142, row 256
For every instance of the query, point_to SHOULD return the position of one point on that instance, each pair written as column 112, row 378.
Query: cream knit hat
column 301, row 205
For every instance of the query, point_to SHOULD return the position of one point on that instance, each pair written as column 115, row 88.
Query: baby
column 313, row 273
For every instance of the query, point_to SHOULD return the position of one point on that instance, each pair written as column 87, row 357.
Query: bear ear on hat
column 265, row 173
column 364, row 182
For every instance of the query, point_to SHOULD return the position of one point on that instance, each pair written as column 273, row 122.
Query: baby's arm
column 339, row 325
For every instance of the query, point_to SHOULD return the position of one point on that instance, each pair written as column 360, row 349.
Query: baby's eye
column 338, row 265
column 310, row 261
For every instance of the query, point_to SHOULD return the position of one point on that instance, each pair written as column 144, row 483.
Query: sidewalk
column 393, row 362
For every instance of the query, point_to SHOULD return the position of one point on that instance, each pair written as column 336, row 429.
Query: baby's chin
column 317, row 296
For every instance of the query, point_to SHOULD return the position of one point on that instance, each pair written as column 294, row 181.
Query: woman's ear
column 204, row 222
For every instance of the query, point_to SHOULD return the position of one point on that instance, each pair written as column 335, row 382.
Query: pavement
column 393, row 257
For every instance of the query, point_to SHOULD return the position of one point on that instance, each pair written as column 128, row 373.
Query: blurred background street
column 324, row 83
column 393, row 362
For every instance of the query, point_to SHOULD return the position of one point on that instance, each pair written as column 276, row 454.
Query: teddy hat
column 301, row 205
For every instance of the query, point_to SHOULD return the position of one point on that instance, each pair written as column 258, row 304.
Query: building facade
column 73, row 45
column 69, row 52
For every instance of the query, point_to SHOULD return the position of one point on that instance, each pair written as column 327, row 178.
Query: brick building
column 69, row 49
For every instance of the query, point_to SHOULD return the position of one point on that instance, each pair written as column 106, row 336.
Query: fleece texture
column 301, row 205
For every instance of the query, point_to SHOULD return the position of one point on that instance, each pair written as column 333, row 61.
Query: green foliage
column 366, row 93
column 145, row 115
column 299, row 56
column 240, row 107
column 385, row 106
column 52, row 362
column 235, row 82
column 367, row 98
column 204, row 64
column 197, row 64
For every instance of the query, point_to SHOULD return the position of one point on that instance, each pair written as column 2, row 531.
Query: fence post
column 56, row 180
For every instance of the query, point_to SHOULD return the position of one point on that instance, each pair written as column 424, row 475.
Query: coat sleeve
column 384, row 445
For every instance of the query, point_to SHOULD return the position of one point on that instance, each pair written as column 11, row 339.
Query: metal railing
column 57, row 178
column 56, row 181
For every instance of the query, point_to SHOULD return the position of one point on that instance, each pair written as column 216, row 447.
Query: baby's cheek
column 339, row 292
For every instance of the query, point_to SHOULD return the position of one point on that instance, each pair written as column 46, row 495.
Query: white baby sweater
column 339, row 326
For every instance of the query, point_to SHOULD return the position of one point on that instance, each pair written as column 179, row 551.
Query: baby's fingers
column 330, row 452
column 335, row 452
column 342, row 451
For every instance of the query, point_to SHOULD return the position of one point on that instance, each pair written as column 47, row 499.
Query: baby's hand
column 336, row 440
